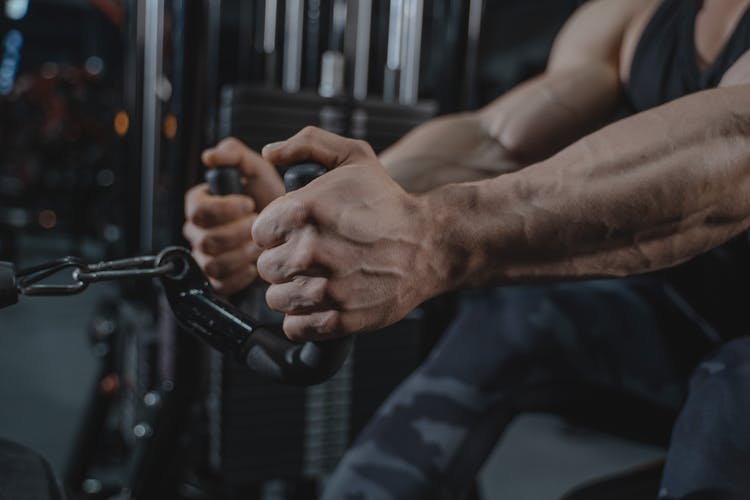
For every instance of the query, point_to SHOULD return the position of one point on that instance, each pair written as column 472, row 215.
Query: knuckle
column 192, row 202
column 230, row 142
column 212, row 268
column 335, row 295
column 272, row 298
column 308, row 133
column 328, row 323
column 296, row 335
column 299, row 212
column 264, row 267
column 318, row 290
column 362, row 148
column 200, row 258
column 219, row 286
column 208, row 245
column 203, row 215
column 302, row 259
column 191, row 194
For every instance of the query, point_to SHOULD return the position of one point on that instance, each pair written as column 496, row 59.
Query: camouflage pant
column 526, row 348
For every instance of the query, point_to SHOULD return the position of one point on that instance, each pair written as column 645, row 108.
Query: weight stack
column 259, row 116
column 264, row 431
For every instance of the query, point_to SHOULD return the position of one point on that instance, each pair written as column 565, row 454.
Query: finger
column 205, row 210
column 193, row 198
column 263, row 182
column 314, row 144
column 297, row 256
column 321, row 325
column 225, row 265
column 236, row 282
column 302, row 295
column 274, row 224
column 220, row 239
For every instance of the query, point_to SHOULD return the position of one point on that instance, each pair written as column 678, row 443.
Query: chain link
column 32, row 281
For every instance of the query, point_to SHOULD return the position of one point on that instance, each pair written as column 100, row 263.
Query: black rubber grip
column 228, row 329
column 224, row 180
column 8, row 290
column 301, row 175
column 263, row 349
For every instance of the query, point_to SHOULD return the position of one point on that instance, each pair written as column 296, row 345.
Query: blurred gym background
column 105, row 106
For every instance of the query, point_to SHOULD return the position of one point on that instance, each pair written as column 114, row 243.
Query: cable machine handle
column 265, row 351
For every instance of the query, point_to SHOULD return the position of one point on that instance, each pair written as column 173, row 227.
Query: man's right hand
column 219, row 227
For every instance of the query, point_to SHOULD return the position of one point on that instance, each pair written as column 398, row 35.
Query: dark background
column 70, row 184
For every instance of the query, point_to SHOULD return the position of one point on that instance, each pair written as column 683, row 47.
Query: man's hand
column 219, row 228
column 350, row 252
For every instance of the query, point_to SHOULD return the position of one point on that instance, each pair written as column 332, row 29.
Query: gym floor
column 47, row 368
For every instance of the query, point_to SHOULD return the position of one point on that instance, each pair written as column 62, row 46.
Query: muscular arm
column 645, row 193
column 576, row 94
column 352, row 251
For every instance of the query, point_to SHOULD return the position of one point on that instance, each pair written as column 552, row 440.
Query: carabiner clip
column 29, row 280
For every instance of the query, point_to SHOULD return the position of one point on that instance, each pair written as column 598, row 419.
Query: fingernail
column 273, row 145
column 249, row 208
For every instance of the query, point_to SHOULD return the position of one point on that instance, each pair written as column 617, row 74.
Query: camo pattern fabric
column 709, row 456
column 523, row 349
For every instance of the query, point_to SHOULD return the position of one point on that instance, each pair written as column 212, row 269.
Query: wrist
column 475, row 235
column 445, row 250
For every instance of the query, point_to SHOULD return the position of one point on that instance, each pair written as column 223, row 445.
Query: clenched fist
column 349, row 252
column 219, row 228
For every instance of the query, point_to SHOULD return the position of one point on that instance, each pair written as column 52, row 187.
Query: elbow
column 516, row 140
column 514, row 134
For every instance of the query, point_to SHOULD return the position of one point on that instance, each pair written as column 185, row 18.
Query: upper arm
column 739, row 73
column 579, row 90
column 594, row 34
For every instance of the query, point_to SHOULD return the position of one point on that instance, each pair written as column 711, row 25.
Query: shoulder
column 597, row 30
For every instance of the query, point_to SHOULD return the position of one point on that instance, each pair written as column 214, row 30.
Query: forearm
column 450, row 149
column 524, row 126
column 648, row 192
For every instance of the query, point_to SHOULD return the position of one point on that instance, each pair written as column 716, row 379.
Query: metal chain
column 32, row 281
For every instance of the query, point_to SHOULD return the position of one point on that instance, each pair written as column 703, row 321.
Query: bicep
column 577, row 93
column 595, row 33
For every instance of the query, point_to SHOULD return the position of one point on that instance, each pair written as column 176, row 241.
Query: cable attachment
column 262, row 348
column 124, row 269
column 31, row 281
column 36, row 281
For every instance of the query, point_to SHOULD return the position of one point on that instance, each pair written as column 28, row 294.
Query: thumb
column 263, row 182
column 319, row 146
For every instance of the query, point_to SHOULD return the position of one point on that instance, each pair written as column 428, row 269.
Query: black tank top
column 716, row 285
column 665, row 64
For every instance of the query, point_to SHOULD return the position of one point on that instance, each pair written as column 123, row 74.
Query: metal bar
column 213, row 56
column 476, row 8
column 338, row 26
column 362, row 49
column 293, row 31
column 245, row 35
column 311, row 44
column 269, row 31
column 153, row 26
column 269, row 40
column 411, row 50
column 393, row 59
